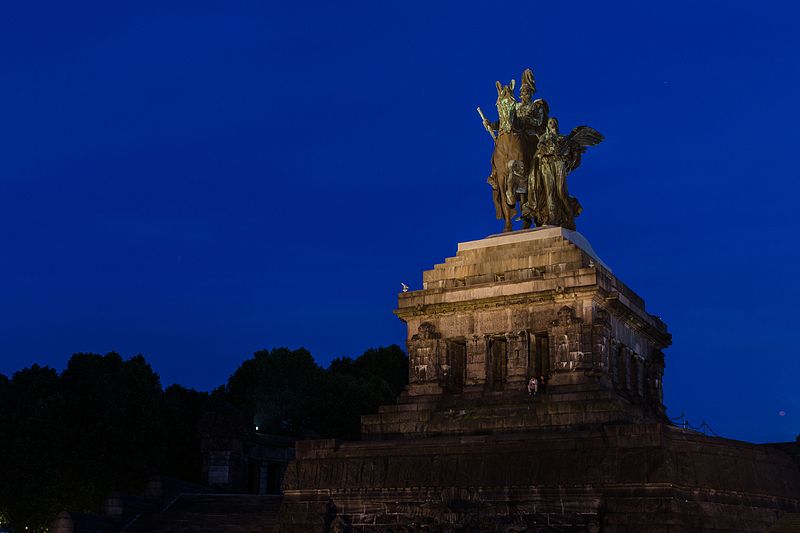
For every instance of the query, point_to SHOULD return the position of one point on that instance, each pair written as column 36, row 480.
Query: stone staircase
column 561, row 407
column 531, row 260
column 788, row 523
column 236, row 513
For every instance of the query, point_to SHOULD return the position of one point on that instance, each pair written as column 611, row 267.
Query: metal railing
column 683, row 422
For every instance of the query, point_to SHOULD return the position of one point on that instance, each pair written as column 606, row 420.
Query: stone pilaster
column 518, row 350
column 477, row 348
column 566, row 342
column 424, row 355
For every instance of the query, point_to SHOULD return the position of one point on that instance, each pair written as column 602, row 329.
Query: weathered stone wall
column 515, row 306
column 503, row 288
column 617, row 477
column 466, row 448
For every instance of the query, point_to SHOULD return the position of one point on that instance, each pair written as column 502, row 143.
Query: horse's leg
column 523, row 209
column 507, row 209
column 508, row 215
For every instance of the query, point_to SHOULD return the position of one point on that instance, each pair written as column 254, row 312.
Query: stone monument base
column 618, row 478
column 570, row 401
column 466, row 448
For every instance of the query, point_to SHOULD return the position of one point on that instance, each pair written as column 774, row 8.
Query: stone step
column 223, row 503
column 788, row 523
column 521, row 397
column 438, row 426
column 520, row 245
column 545, row 256
column 519, row 248
column 526, row 420
column 514, row 250
column 238, row 513
column 229, row 522
column 532, row 411
column 499, row 265
column 406, row 407
column 534, row 406
column 401, row 416
column 560, row 393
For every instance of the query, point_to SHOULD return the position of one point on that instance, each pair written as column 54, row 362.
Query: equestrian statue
column 531, row 159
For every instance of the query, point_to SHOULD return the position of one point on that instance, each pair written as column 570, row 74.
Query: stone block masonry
column 467, row 448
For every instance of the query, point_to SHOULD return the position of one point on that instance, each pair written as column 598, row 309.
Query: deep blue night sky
column 196, row 183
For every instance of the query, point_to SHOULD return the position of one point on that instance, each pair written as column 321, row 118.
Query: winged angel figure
column 556, row 156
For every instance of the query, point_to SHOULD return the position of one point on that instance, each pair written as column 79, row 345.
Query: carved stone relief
column 566, row 340
column 423, row 350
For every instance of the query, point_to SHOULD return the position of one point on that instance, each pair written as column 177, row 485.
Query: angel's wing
column 585, row 136
column 578, row 139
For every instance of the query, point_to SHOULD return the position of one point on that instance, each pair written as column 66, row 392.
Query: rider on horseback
column 517, row 129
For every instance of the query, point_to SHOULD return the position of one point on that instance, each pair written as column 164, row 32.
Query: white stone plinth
column 533, row 234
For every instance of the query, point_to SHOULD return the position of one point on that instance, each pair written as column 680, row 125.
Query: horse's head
column 505, row 93
column 505, row 106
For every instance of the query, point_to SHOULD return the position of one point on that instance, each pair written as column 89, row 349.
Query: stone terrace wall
column 620, row 477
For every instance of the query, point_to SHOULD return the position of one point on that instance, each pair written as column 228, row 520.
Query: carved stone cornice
column 653, row 328
column 552, row 295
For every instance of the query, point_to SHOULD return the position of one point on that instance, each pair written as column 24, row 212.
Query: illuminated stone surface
column 517, row 305
column 465, row 448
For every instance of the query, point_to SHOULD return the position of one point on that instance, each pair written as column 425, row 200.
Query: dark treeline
column 105, row 423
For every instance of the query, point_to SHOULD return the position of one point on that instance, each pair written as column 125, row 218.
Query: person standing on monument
column 533, row 387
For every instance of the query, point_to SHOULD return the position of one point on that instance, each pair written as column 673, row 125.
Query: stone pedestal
column 466, row 448
column 629, row 478
column 513, row 306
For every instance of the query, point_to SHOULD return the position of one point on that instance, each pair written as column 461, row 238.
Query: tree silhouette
column 32, row 419
column 105, row 424
column 181, row 418
column 280, row 389
column 286, row 392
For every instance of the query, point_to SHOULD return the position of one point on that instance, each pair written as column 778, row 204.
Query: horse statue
column 509, row 175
